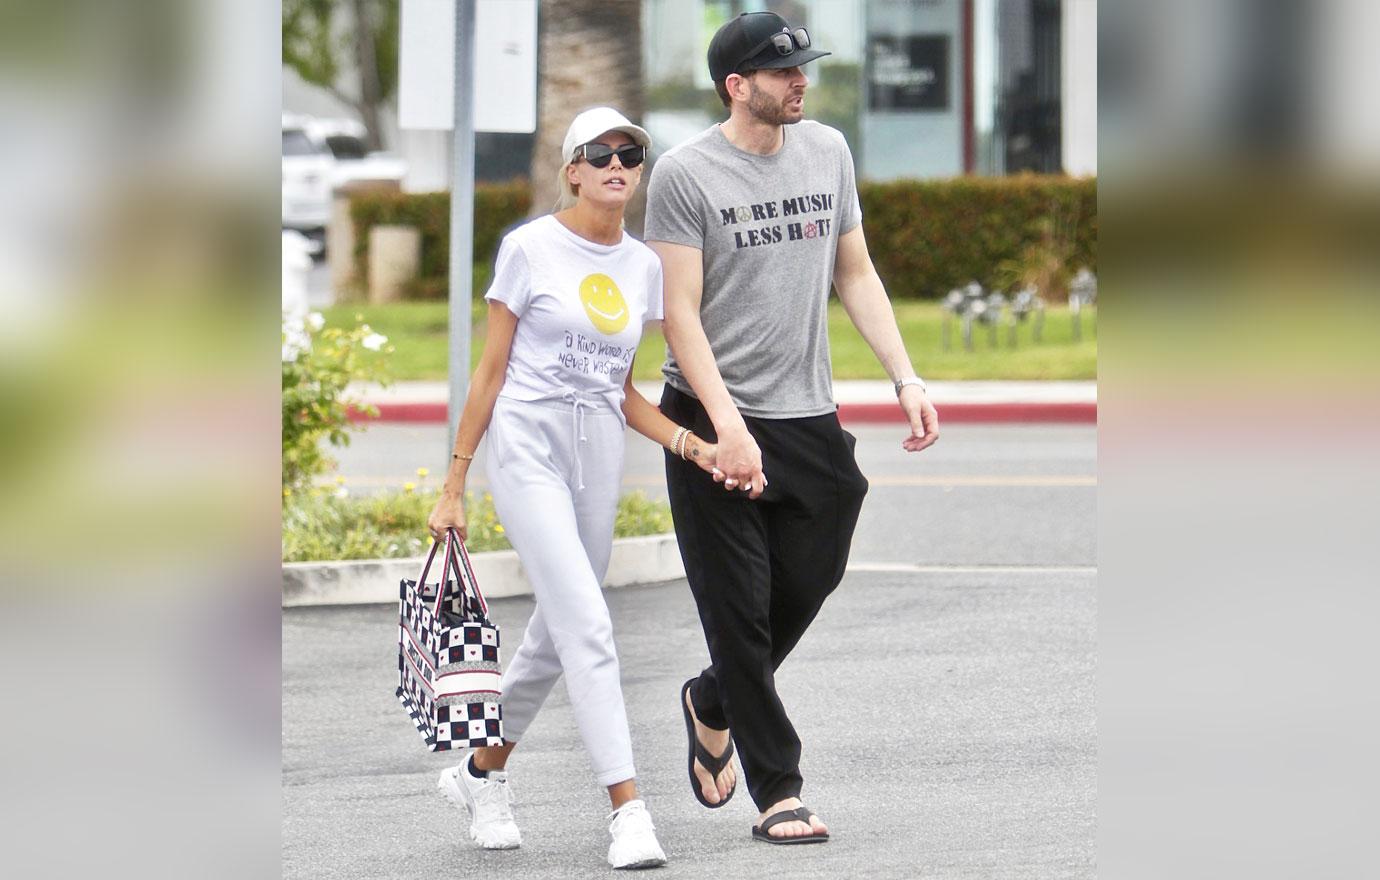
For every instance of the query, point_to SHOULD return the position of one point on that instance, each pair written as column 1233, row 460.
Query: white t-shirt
column 580, row 308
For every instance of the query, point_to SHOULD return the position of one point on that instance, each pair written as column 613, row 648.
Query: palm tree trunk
column 590, row 54
column 366, row 60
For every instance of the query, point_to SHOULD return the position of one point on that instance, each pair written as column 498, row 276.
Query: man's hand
column 739, row 462
column 924, row 421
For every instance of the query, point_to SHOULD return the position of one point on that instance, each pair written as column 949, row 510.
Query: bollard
column 995, row 306
column 340, row 247
column 395, row 256
column 340, row 236
column 297, row 264
column 953, row 307
column 1082, row 291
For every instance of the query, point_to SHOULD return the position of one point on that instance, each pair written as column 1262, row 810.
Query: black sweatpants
column 759, row 571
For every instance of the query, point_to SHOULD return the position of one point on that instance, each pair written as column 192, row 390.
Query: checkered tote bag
column 448, row 672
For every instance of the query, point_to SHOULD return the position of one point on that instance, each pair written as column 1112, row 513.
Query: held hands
column 449, row 512
column 924, row 420
column 701, row 453
column 738, row 463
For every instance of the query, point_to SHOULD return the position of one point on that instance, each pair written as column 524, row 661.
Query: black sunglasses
column 600, row 156
column 785, row 42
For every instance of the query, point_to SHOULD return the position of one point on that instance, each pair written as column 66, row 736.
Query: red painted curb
column 975, row 413
column 854, row 413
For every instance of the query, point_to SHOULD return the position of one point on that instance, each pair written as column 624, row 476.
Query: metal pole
column 461, row 215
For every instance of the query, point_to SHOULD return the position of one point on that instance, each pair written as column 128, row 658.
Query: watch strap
column 910, row 380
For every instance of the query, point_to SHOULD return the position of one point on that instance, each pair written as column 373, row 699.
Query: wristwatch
column 910, row 380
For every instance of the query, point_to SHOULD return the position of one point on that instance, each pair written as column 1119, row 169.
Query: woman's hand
column 706, row 455
column 449, row 512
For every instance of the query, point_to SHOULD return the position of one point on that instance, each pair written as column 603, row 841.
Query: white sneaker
column 488, row 801
column 634, row 839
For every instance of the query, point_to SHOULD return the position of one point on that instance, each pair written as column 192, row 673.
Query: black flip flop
column 714, row 765
column 802, row 814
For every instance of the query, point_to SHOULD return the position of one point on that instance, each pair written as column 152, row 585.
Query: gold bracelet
column 676, row 439
column 457, row 455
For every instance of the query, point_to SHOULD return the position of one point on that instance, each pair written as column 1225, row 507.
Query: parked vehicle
column 321, row 156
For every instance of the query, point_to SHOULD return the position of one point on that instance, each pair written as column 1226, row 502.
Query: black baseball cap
column 739, row 44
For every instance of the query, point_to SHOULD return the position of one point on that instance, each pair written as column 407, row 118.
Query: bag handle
column 446, row 564
column 469, row 577
column 421, row 579
column 452, row 562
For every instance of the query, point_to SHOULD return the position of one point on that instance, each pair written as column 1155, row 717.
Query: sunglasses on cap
column 600, row 156
column 785, row 43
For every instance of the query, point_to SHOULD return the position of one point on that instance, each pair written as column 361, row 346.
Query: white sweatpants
column 554, row 471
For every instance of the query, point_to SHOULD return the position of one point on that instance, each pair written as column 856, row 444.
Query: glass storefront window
column 900, row 83
column 1017, row 86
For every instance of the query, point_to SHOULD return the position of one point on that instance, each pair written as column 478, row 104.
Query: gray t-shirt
column 768, row 227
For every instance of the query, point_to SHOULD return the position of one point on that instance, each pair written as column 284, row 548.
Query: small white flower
column 295, row 338
column 316, row 321
column 374, row 341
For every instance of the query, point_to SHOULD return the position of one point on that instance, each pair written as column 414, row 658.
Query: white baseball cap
column 594, row 122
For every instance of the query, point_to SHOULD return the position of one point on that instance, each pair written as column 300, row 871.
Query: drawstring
column 577, row 434
column 579, row 403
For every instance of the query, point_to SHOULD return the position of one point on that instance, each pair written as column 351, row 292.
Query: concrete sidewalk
column 859, row 401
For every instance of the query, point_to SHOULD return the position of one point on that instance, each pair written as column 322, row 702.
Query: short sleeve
column 673, row 206
column 655, row 310
column 512, row 284
column 850, row 209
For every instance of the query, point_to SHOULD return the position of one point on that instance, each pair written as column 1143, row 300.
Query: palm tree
column 590, row 53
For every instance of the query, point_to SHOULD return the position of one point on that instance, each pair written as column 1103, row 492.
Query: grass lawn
column 418, row 331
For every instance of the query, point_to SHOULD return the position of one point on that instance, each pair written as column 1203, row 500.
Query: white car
column 320, row 156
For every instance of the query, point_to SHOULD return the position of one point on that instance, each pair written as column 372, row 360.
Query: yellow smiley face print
column 604, row 303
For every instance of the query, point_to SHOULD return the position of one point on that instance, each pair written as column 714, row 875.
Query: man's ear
column 737, row 86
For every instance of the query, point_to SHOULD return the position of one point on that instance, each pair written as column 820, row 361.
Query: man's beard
column 768, row 111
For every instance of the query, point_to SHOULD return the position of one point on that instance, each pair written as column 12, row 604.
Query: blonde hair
column 569, row 196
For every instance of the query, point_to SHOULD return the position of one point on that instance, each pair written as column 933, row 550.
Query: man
column 752, row 220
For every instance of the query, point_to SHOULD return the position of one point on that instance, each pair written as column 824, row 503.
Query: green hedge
column 926, row 237
column 497, row 206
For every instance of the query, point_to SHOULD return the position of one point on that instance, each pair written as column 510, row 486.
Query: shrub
column 497, row 207
column 326, row 524
column 928, row 237
column 318, row 364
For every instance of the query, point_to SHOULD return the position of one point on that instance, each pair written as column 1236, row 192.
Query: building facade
column 921, row 88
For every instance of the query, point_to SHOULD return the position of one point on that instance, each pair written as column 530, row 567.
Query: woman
column 554, row 389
